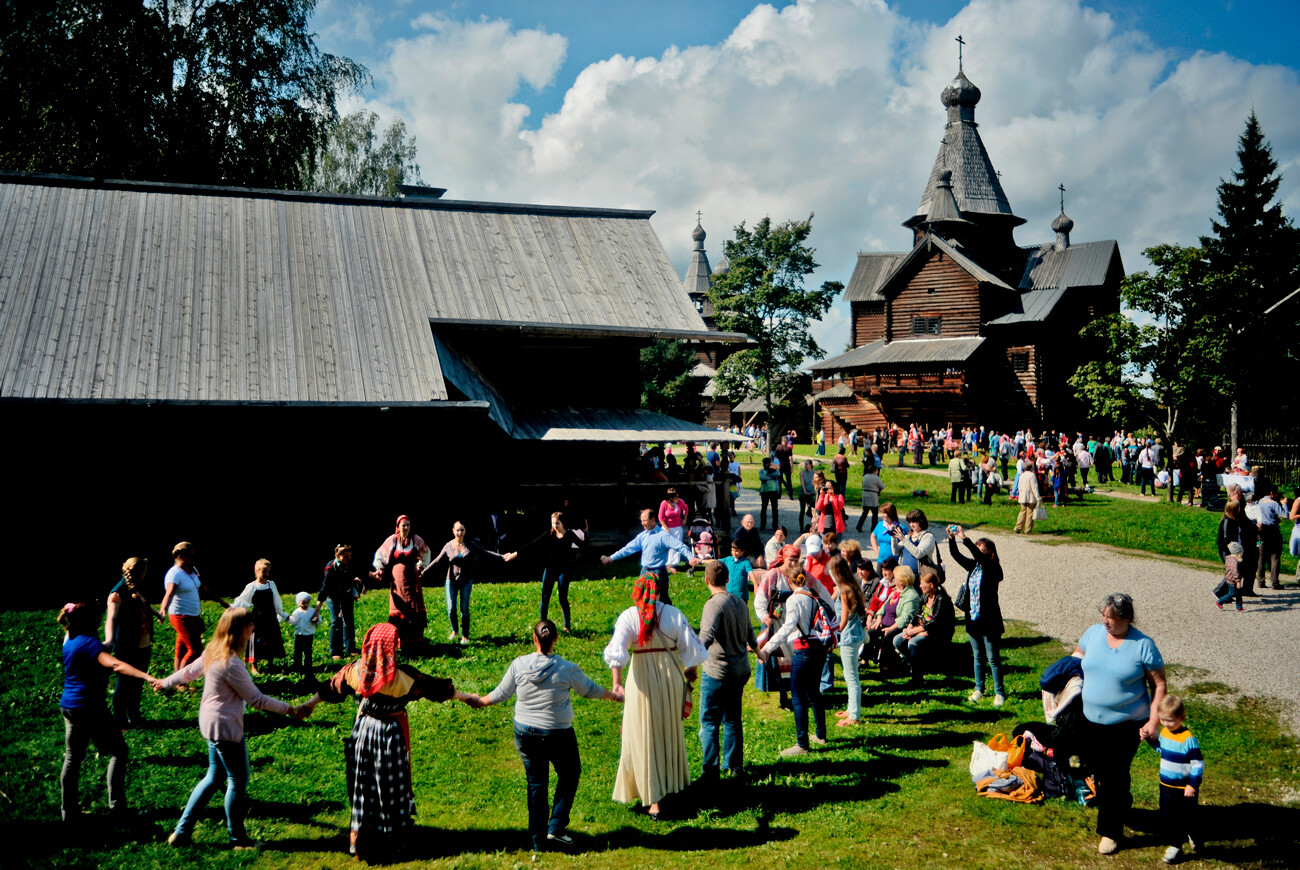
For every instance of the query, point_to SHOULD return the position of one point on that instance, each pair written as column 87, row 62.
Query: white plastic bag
column 984, row 761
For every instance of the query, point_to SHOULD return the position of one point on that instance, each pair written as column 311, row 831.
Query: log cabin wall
column 1023, row 360
column 868, row 322
column 941, row 289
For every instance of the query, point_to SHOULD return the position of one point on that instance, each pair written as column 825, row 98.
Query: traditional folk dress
column 379, row 748
column 652, row 763
column 400, row 565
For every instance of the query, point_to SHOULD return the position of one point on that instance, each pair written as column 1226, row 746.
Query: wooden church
column 967, row 328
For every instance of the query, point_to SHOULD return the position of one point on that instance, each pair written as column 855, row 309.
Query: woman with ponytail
column 658, row 642
column 128, row 634
column 544, row 730
column 379, row 749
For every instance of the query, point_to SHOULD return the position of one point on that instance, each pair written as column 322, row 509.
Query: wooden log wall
column 940, row 289
column 868, row 322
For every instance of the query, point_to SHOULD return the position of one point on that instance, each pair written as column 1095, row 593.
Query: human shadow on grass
column 430, row 844
column 1244, row 834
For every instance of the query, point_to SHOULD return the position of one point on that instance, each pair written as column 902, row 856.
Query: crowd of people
column 815, row 597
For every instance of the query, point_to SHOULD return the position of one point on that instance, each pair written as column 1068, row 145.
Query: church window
column 1020, row 362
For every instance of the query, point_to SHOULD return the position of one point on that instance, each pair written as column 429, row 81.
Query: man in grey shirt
column 727, row 634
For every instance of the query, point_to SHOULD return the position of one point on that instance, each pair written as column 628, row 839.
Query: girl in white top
column 663, row 651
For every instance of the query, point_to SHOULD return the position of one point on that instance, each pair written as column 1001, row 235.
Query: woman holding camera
column 828, row 500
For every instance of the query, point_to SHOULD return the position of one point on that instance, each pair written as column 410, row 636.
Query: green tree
column 1254, row 254
column 762, row 295
column 1101, row 383
column 666, row 383
column 350, row 161
column 197, row 91
column 1169, row 366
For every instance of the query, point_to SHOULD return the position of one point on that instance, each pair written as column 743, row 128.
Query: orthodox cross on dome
column 1061, row 187
column 698, row 216
column 960, row 42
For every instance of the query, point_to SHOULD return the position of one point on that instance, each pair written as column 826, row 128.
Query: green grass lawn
column 894, row 793
column 1158, row 528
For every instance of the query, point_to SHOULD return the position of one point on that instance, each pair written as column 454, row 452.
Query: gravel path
column 1056, row 587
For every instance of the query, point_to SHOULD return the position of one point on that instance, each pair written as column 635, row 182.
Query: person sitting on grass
column 931, row 635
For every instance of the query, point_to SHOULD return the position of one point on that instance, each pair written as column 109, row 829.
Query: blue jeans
column 551, row 577
column 805, row 673
column 988, row 649
column 458, row 594
column 343, row 634
column 539, row 749
column 228, row 759
column 720, row 706
column 849, row 653
column 828, row 674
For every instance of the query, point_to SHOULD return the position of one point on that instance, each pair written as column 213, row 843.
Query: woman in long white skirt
column 662, row 650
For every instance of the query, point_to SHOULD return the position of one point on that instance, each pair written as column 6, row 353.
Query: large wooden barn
column 269, row 373
column 967, row 327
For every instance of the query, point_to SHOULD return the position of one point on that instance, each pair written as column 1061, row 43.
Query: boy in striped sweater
column 1181, row 771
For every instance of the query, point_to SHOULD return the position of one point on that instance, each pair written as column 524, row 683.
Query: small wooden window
column 1020, row 362
column 918, row 326
column 933, row 325
column 926, row 325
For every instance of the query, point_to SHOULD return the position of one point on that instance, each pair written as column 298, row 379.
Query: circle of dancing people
column 816, row 599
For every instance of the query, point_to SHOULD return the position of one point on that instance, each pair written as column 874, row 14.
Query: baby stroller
column 700, row 533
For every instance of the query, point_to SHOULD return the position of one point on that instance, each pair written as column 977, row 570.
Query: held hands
column 155, row 684
column 1148, row 731
column 1189, row 791
column 617, row 692
column 605, row 560
column 474, row 702
column 509, row 557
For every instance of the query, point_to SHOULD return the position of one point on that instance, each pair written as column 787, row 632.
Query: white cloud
column 833, row 106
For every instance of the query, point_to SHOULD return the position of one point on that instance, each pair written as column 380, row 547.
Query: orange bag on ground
column 1013, row 747
column 1027, row 793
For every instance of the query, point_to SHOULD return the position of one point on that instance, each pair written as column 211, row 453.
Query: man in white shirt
column 1146, row 469
column 1271, row 513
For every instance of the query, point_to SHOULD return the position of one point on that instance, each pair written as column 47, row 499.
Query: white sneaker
column 999, row 700
column 1172, row 854
column 464, row 641
column 791, row 751
column 975, row 696
column 814, row 739
column 1107, row 846
column 452, row 637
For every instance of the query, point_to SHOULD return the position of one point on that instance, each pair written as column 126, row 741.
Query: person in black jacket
column 983, row 612
column 1235, row 526
column 558, row 549
column 934, row 632
column 340, row 588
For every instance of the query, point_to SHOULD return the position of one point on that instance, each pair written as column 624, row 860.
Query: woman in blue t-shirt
column 882, row 534
column 86, row 668
column 1118, row 661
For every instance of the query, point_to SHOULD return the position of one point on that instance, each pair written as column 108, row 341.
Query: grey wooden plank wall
column 147, row 294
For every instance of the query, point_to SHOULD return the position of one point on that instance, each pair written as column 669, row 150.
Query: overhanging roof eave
column 543, row 330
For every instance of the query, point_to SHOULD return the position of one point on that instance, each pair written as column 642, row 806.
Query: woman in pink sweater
column 227, row 686
column 672, row 516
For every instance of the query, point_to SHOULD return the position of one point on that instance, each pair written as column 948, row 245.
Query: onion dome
column 1062, row 224
column 698, row 235
column 961, row 91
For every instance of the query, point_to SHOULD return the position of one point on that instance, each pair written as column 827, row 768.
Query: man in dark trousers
column 728, row 635
column 785, row 460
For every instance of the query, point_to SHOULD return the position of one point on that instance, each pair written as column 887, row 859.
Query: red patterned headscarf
column 644, row 595
column 378, row 662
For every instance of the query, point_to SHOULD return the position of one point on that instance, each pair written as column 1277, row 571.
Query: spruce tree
column 1255, row 255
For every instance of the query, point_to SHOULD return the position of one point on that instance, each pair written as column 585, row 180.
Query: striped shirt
column 1181, row 763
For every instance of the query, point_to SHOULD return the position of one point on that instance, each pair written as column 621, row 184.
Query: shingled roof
column 975, row 184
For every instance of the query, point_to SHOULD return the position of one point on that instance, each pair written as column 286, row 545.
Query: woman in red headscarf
column 664, row 653
column 379, row 749
column 399, row 562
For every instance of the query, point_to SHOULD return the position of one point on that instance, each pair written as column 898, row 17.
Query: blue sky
column 831, row 106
